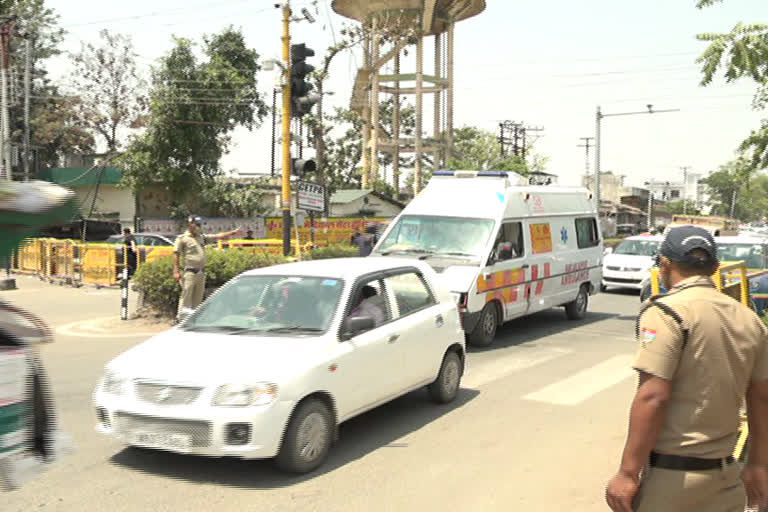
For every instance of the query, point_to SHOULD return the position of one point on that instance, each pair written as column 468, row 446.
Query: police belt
column 192, row 269
column 682, row 463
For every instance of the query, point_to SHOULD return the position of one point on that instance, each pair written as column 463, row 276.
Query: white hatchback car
column 276, row 359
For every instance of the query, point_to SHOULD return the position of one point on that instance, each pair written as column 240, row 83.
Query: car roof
column 657, row 238
column 342, row 268
column 741, row 239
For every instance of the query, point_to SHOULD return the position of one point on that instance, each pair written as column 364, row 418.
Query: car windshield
column 282, row 304
column 752, row 254
column 450, row 236
column 638, row 247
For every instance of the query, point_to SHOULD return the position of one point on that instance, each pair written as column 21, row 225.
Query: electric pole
column 587, row 140
column 286, row 189
column 5, row 143
column 27, row 87
column 685, row 189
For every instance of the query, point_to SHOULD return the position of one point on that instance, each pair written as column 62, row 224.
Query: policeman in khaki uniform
column 190, row 247
column 700, row 354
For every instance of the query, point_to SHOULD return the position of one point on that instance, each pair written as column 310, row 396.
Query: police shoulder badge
column 647, row 335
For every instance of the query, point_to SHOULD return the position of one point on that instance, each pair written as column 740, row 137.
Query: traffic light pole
column 286, row 199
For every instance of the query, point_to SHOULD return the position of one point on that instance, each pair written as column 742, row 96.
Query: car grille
column 163, row 394
column 200, row 431
column 625, row 269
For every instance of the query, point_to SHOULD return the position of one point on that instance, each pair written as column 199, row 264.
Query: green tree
column 54, row 129
column 742, row 53
column 479, row 149
column 222, row 198
column 730, row 189
column 686, row 206
column 194, row 106
column 109, row 86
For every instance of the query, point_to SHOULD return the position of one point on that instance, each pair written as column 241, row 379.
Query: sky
column 548, row 64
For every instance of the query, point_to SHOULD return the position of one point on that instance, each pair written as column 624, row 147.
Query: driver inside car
column 370, row 303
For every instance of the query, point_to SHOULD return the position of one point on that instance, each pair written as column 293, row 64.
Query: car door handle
column 393, row 338
column 525, row 265
column 439, row 320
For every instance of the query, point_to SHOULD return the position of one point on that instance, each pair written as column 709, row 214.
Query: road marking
column 481, row 374
column 586, row 383
column 81, row 328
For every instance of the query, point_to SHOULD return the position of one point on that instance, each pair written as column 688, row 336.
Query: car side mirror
column 185, row 313
column 354, row 325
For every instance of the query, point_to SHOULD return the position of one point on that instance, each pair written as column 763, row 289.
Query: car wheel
column 307, row 439
column 577, row 309
column 446, row 386
column 485, row 330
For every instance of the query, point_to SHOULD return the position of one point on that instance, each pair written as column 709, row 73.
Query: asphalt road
column 539, row 426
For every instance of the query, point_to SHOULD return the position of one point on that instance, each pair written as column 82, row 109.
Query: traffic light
column 301, row 98
column 301, row 167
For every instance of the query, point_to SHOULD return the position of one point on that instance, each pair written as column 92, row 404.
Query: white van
column 504, row 249
column 629, row 264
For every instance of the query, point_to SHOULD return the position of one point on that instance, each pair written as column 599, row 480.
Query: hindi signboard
column 310, row 196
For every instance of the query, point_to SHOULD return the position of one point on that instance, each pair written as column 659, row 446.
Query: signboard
column 210, row 226
column 310, row 196
column 541, row 237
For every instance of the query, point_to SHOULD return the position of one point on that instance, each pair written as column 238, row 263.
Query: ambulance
column 504, row 248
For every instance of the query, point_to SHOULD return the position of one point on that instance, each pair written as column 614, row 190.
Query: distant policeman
column 189, row 261
column 700, row 354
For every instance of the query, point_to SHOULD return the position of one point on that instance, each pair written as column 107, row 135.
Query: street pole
column 274, row 114
column 685, row 189
column 27, row 87
column 286, row 199
column 650, row 206
column 5, row 131
column 598, row 118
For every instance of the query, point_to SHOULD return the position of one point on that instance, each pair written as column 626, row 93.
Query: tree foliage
column 108, row 84
column 479, row 149
column 741, row 53
column 194, row 106
column 54, row 128
column 223, row 198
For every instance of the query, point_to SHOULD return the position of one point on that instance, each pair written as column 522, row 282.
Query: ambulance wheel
column 485, row 330
column 577, row 309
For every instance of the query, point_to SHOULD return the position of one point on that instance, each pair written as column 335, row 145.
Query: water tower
column 389, row 27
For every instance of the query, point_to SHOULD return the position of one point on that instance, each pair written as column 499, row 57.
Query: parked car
column 277, row 358
column 145, row 239
column 752, row 250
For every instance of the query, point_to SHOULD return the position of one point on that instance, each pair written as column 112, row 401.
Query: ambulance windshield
column 441, row 236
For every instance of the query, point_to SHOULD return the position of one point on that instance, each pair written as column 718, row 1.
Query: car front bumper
column 193, row 429
column 633, row 280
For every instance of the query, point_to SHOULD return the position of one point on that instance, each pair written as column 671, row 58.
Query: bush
column 161, row 292
column 331, row 251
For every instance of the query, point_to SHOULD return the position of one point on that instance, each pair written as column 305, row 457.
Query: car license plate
column 163, row 441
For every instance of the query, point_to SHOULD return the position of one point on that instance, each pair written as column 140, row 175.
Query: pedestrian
column 701, row 354
column 131, row 251
column 189, row 261
column 248, row 235
column 365, row 243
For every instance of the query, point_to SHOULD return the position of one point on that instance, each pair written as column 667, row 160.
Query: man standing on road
column 131, row 251
column 700, row 354
column 189, row 256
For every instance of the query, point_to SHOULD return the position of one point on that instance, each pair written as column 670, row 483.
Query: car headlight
column 242, row 395
column 754, row 285
column 113, row 383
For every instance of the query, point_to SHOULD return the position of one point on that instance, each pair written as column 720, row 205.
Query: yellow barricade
column 99, row 264
column 29, row 256
column 60, row 258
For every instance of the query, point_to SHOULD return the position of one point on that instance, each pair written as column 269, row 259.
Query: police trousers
column 192, row 289
column 713, row 490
